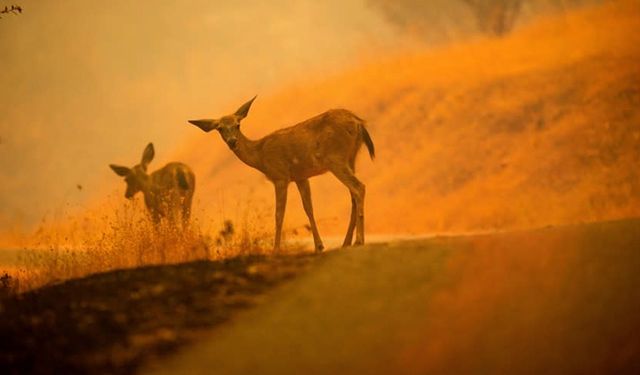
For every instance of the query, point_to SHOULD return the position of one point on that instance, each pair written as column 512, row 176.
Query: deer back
column 169, row 186
column 313, row 146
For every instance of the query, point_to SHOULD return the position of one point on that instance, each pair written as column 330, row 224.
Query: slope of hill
column 537, row 128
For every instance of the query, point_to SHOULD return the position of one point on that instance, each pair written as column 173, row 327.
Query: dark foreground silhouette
column 111, row 322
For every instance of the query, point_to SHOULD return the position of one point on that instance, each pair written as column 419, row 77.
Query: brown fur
column 168, row 192
column 328, row 142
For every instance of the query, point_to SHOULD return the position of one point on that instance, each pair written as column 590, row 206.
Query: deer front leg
column 186, row 212
column 281, row 203
column 305, row 194
column 155, row 216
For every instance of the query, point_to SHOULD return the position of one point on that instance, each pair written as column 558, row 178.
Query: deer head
column 136, row 177
column 227, row 126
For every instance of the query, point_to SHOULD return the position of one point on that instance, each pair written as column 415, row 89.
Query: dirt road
column 556, row 300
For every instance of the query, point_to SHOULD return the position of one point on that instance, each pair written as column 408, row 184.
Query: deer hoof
column 319, row 248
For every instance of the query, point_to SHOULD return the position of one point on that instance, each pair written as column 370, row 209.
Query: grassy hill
column 536, row 128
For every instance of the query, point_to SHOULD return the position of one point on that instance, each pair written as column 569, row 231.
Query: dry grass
column 122, row 236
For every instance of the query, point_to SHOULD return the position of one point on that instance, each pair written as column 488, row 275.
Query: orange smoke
column 533, row 129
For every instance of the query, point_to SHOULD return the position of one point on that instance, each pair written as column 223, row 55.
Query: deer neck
column 145, row 185
column 148, row 192
column 247, row 151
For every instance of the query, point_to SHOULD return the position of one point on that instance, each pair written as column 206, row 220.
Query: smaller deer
column 328, row 142
column 167, row 192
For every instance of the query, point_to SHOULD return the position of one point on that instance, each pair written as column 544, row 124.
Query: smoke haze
column 87, row 83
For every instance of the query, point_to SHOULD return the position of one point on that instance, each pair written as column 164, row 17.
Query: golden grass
column 118, row 236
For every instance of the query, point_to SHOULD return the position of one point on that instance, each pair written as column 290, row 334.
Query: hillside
column 537, row 128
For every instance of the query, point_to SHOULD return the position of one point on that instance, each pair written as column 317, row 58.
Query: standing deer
column 327, row 142
column 167, row 192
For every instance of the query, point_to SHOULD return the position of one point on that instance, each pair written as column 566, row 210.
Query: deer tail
column 368, row 142
column 182, row 180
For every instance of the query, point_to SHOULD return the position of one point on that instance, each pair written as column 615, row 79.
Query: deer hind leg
column 357, row 190
column 155, row 218
column 352, row 223
column 305, row 194
column 281, row 203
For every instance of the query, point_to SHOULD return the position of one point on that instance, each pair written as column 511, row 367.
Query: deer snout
column 129, row 193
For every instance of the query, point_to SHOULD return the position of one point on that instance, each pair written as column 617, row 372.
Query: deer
column 168, row 192
column 328, row 142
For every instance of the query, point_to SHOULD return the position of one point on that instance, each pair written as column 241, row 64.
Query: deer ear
column 244, row 110
column 205, row 124
column 120, row 170
column 147, row 155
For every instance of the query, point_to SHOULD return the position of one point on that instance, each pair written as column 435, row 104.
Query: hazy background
column 87, row 83
column 484, row 117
